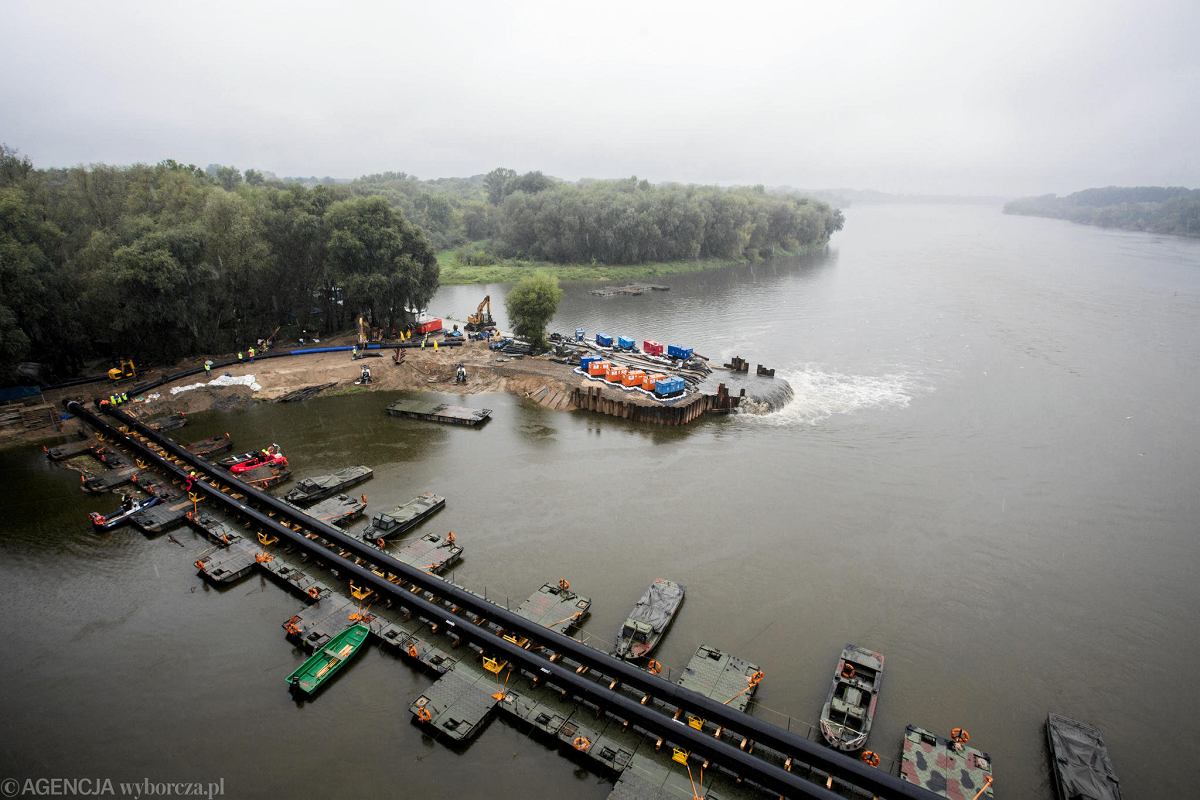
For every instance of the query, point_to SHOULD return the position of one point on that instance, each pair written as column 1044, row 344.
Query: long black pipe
column 851, row 770
column 740, row 763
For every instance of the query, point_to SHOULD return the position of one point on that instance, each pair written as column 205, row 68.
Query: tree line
column 1156, row 209
column 169, row 260
column 531, row 216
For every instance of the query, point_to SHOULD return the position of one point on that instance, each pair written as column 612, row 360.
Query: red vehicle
column 272, row 459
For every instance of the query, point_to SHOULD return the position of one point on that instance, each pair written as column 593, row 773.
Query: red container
column 430, row 326
column 652, row 348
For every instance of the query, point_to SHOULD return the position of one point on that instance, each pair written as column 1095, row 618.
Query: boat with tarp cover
column 649, row 619
column 1082, row 768
column 318, row 487
column 403, row 518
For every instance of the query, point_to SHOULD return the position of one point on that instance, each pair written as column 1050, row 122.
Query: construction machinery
column 482, row 318
column 125, row 370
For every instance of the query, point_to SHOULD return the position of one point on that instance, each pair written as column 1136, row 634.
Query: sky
column 986, row 98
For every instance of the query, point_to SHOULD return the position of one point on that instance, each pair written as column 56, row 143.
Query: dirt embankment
column 422, row 370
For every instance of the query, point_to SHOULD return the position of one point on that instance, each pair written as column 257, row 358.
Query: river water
column 988, row 474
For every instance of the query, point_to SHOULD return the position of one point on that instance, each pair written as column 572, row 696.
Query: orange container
column 650, row 380
column 598, row 368
column 616, row 374
column 634, row 378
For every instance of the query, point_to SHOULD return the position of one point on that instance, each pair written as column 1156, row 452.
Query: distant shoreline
column 1172, row 210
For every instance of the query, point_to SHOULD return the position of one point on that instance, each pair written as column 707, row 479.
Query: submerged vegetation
column 1156, row 209
column 170, row 260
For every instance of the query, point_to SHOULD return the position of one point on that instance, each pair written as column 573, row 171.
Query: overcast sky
column 1009, row 97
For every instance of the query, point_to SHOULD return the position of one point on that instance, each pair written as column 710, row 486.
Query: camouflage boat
column 649, row 619
column 1082, row 768
column 948, row 767
column 401, row 519
column 850, row 708
column 318, row 487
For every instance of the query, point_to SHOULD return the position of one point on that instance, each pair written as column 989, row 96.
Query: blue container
column 669, row 387
column 624, row 342
column 604, row 340
column 583, row 362
column 579, row 334
column 675, row 351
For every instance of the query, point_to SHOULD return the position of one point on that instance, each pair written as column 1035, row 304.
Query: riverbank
column 270, row 379
column 510, row 270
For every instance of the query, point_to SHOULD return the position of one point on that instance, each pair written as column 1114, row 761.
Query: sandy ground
column 422, row 370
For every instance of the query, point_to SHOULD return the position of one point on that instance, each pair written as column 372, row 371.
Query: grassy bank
column 511, row 270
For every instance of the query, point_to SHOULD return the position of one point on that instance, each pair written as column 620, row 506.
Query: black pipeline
column 789, row 744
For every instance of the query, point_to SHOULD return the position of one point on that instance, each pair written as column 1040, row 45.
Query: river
column 988, row 474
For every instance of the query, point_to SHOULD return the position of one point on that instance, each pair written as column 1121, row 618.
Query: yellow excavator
column 125, row 370
column 482, row 318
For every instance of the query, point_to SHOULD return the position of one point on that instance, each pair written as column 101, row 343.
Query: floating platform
column 338, row 510
column 431, row 553
column 170, row 513
column 403, row 518
column 317, row 487
column 440, row 412
column 933, row 762
column 109, row 479
column 315, row 626
column 70, row 449
column 722, row 677
column 459, row 703
column 227, row 563
column 556, row 607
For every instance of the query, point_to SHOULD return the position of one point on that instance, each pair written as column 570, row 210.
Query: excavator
column 482, row 318
column 124, row 371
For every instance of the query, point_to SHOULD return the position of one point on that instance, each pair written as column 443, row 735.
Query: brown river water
column 989, row 473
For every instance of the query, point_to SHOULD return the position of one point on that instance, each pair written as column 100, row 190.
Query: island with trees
column 1155, row 209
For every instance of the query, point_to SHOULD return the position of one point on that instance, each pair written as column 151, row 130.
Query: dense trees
column 1159, row 209
column 170, row 260
column 505, row 214
column 631, row 221
column 531, row 305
